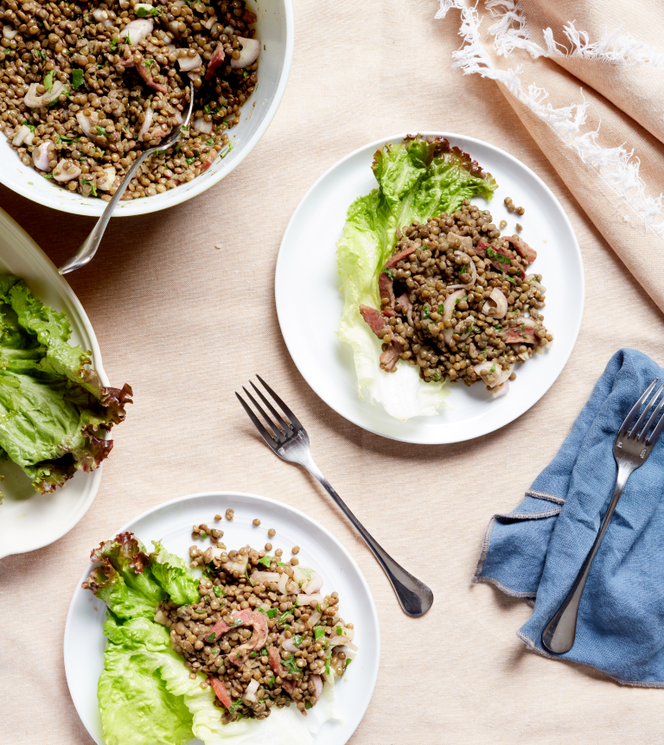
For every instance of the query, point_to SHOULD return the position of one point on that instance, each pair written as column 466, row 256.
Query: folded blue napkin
column 535, row 552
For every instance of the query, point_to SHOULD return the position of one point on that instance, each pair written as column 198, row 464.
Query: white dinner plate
column 29, row 520
column 309, row 303
column 171, row 522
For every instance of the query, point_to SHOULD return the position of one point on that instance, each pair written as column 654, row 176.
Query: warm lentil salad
column 84, row 87
column 456, row 301
column 262, row 631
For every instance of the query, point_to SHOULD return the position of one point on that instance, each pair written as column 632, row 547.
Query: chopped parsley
column 48, row 80
column 436, row 378
column 128, row 40
column 149, row 63
column 190, row 160
column 285, row 615
column 389, row 272
column 498, row 327
column 348, row 661
column 234, row 706
column 77, row 78
column 441, row 309
column 271, row 681
column 199, row 611
column 492, row 369
column 210, row 638
column 318, row 632
column 209, row 108
column 210, row 141
column 31, row 127
column 236, row 622
column 272, row 613
column 103, row 133
column 327, row 664
column 114, row 44
column 265, row 561
column 291, row 665
column 339, row 631
column 219, row 592
column 297, row 640
column 426, row 313
column 93, row 188
column 308, row 704
column 144, row 12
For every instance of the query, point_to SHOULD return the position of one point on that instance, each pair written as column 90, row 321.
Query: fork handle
column 559, row 634
column 413, row 595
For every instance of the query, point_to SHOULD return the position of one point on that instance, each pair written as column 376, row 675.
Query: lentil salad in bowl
column 84, row 88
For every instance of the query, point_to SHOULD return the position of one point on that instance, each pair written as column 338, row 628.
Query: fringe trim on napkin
column 617, row 167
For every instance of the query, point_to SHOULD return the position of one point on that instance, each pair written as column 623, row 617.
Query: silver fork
column 89, row 247
column 631, row 449
column 290, row 441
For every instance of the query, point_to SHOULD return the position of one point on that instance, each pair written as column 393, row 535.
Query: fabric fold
column 537, row 550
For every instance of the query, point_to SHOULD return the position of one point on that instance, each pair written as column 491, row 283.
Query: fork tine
column 641, row 434
column 635, row 409
column 284, row 408
column 275, row 413
column 636, row 429
column 278, row 434
column 654, row 435
column 261, row 429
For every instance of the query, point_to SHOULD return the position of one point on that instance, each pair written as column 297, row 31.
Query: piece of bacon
column 393, row 260
column 144, row 72
column 220, row 628
column 258, row 621
column 499, row 266
column 220, row 691
column 216, row 59
column 386, row 289
column 375, row 319
column 275, row 661
column 391, row 356
column 521, row 247
column 524, row 333
column 404, row 304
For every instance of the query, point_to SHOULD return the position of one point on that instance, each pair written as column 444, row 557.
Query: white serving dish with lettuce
column 310, row 306
column 28, row 520
column 332, row 721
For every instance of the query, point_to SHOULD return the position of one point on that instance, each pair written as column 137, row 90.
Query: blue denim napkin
column 535, row 552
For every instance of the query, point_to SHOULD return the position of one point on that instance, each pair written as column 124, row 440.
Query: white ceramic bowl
column 274, row 28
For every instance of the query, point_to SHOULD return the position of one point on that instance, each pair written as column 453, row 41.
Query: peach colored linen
column 186, row 324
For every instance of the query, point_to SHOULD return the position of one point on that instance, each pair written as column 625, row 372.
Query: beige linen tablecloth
column 186, row 324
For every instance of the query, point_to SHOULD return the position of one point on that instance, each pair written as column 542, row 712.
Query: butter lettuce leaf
column 54, row 412
column 172, row 574
column 417, row 179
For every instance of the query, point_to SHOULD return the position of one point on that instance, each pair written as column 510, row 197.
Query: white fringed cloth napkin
column 587, row 81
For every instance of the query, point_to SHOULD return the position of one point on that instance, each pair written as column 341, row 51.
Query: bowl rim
column 94, row 208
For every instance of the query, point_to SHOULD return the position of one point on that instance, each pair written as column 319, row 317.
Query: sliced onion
column 149, row 116
column 9, row 32
column 34, row 100
column 313, row 600
column 250, row 693
column 249, row 52
column 85, row 123
column 283, row 581
column 202, row 126
column 314, row 584
column 161, row 617
column 99, row 15
column 289, row 645
column 495, row 379
column 501, row 390
column 21, row 135
column 315, row 617
column 346, row 637
column 211, row 21
column 449, row 305
column 109, row 179
column 318, row 685
column 500, row 308
column 473, row 272
column 190, row 63
column 239, row 565
column 42, row 156
column 137, row 30
column 262, row 578
column 66, row 170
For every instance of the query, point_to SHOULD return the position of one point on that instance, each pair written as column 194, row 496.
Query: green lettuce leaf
column 172, row 573
column 54, row 412
column 417, row 179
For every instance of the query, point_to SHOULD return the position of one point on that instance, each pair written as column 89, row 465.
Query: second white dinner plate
column 172, row 523
column 309, row 302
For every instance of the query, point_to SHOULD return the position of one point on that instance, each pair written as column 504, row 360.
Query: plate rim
column 49, row 271
column 280, row 302
column 229, row 493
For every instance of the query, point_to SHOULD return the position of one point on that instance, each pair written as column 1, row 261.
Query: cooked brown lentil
column 217, row 517
column 75, row 98
column 302, row 643
column 452, row 343
column 295, row 550
column 511, row 207
column 230, row 514
column 256, row 522
column 272, row 532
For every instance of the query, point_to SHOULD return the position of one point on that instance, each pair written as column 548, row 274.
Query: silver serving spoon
column 90, row 245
